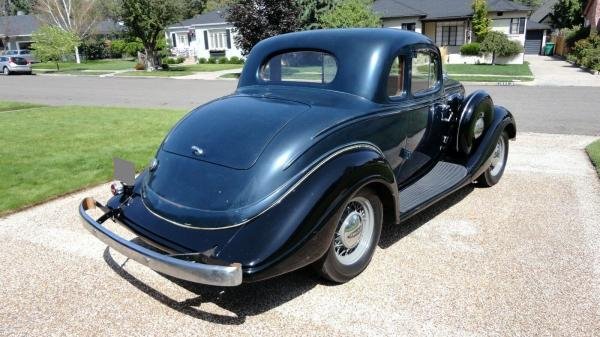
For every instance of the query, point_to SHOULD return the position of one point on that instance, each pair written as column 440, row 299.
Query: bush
column 212, row 60
column 127, row 47
column 236, row 60
column 222, row 60
column 202, row 60
column 586, row 52
column 140, row 66
column 94, row 49
column 498, row 44
column 472, row 49
column 575, row 34
column 173, row 60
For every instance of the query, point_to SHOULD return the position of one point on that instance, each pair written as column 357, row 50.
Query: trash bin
column 549, row 48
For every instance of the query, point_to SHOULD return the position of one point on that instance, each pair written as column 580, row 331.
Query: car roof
column 363, row 55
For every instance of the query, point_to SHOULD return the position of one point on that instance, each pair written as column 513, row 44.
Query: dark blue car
column 329, row 136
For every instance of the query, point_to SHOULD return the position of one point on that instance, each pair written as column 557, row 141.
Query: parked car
column 330, row 135
column 24, row 53
column 14, row 64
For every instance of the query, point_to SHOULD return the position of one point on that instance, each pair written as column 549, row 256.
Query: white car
column 24, row 53
column 14, row 64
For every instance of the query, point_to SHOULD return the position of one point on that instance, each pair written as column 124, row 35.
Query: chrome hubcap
column 355, row 231
column 498, row 157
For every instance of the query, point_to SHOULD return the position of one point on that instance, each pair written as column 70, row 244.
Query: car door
column 424, row 92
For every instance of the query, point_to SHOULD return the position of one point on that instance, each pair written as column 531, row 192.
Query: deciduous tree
column 481, row 22
column 498, row 44
column 52, row 43
column 255, row 20
column 567, row 14
column 349, row 14
column 78, row 17
column 311, row 10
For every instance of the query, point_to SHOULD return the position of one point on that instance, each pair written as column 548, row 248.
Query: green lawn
column 49, row 151
column 108, row 64
column 183, row 70
column 593, row 151
column 490, row 78
column 488, row 69
column 8, row 106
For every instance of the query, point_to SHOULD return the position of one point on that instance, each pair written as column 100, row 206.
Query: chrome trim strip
column 216, row 275
column 319, row 164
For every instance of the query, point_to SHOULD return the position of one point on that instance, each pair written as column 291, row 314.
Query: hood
column 233, row 131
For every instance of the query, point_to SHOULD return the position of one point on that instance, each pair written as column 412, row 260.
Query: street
column 547, row 109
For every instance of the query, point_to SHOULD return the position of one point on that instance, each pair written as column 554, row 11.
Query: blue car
column 330, row 135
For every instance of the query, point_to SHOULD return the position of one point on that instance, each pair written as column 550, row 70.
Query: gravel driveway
column 522, row 258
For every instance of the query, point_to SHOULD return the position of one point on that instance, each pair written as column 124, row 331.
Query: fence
column 560, row 47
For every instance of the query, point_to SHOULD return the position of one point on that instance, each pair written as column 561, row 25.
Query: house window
column 217, row 39
column 409, row 26
column 517, row 26
column 449, row 35
column 424, row 74
column 182, row 40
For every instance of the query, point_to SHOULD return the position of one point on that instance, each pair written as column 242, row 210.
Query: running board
column 442, row 178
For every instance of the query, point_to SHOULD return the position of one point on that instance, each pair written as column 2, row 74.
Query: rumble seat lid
column 233, row 131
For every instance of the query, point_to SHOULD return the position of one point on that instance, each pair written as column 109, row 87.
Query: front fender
column 479, row 160
column 296, row 232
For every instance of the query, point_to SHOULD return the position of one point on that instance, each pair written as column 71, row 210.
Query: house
column 16, row 30
column 204, row 36
column 591, row 13
column 538, row 27
column 448, row 23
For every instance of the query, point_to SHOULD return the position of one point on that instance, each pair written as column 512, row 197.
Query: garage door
column 533, row 41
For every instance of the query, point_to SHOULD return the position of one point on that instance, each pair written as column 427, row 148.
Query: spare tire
column 477, row 113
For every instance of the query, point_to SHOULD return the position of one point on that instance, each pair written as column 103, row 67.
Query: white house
column 448, row 22
column 203, row 36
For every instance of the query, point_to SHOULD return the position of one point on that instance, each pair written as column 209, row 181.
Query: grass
column 73, row 72
column 593, row 151
column 183, row 70
column 475, row 78
column 50, row 151
column 107, row 64
column 231, row 75
column 488, row 69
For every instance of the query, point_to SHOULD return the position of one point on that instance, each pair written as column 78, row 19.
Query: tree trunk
column 493, row 58
column 77, row 59
column 152, row 62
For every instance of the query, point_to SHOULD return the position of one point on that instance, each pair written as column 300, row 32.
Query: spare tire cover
column 477, row 105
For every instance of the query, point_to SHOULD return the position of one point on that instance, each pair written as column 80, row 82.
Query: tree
column 255, row 20
column 213, row 5
column 481, row 22
column 146, row 19
column 193, row 7
column 311, row 10
column 498, row 44
column 567, row 14
column 12, row 7
column 51, row 43
column 349, row 14
column 78, row 17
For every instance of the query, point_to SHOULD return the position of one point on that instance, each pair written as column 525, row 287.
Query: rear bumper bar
column 216, row 275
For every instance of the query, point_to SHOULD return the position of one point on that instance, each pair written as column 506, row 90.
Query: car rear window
column 19, row 60
column 300, row 66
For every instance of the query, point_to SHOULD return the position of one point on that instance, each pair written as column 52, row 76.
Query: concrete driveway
column 553, row 71
column 522, row 258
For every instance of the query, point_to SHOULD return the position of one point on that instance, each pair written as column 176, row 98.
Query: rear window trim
column 297, row 83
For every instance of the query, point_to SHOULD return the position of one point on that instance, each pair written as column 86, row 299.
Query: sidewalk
column 552, row 71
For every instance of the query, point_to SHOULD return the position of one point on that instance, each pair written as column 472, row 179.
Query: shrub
column 212, row 60
column 498, row 44
column 236, row 60
column 222, row 60
column 202, row 60
column 128, row 47
column 95, row 49
column 575, row 34
column 165, row 66
column 586, row 52
column 140, row 66
column 472, row 49
column 180, row 59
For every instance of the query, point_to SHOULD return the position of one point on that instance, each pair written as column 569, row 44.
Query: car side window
column 395, row 81
column 424, row 72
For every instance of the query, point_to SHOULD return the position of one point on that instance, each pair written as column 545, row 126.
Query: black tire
column 492, row 176
column 331, row 267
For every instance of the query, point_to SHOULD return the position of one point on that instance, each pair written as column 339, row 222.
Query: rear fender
column 295, row 232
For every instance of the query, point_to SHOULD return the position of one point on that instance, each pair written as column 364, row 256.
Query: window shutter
column 206, row 39
column 521, row 25
column 173, row 40
column 228, row 38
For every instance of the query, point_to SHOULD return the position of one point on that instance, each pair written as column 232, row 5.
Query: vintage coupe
column 329, row 135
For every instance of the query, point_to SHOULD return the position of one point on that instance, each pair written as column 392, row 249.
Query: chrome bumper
column 215, row 275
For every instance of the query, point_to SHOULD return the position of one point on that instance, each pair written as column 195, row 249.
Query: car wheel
column 492, row 175
column 357, row 233
column 6, row 71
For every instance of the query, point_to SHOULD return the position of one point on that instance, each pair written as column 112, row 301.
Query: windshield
column 300, row 66
column 19, row 60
